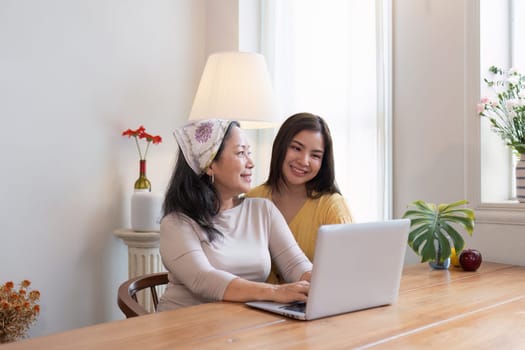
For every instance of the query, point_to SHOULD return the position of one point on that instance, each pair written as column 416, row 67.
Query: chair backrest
column 127, row 293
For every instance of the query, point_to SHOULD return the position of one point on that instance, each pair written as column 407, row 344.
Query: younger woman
column 301, row 182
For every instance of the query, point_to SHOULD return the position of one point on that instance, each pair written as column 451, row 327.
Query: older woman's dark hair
column 195, row 195
column 324, row 181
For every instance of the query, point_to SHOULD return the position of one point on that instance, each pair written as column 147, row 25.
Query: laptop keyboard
column 298, row 306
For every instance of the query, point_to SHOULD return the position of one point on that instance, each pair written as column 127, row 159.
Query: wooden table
column 436, row 309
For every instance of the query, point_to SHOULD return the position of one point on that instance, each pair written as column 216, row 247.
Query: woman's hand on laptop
column 289, row 292
column 243, row 290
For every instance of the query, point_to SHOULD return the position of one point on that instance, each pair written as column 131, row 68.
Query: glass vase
column 439, row 263
column 142, row 183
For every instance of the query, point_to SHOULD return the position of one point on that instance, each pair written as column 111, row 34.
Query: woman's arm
column 183, row 256
column 336, row 210
column 242, row 290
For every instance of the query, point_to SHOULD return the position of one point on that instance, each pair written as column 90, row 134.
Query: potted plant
column 432, row 235
column 506, row 113
column 19, row 309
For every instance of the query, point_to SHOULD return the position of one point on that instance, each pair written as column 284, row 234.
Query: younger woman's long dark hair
column 195, row 195
column 324, row 182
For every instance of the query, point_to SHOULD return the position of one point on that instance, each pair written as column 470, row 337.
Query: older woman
column 215, row 244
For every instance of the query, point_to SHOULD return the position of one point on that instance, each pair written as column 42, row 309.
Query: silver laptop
column 356, row 266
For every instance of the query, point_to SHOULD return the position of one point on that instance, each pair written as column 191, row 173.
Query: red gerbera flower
column 141, row 133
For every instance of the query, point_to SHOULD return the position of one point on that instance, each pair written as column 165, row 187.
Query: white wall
column 222, row 27
column 73, row 76
column 431, row 122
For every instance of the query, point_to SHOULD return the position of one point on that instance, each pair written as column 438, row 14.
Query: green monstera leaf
column 431, row 228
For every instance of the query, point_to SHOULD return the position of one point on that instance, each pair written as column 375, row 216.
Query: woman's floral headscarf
column 200, row 141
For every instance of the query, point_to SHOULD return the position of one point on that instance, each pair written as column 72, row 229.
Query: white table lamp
column 236, row 86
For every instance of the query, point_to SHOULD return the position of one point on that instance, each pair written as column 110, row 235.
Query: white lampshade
column 236, row 86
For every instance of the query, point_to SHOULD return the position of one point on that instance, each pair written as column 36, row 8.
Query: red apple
column 470, row 259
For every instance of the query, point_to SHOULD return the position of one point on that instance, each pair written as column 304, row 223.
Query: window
column 333, row 59
column 488, row 23
column 502, row 24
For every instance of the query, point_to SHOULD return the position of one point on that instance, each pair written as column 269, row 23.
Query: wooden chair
column 127, row 293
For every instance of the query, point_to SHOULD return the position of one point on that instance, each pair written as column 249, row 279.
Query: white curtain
column 331, row 58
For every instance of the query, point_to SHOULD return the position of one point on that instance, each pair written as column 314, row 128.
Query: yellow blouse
column 327, row 209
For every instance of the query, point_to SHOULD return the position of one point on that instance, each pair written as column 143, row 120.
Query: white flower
column 512, row 103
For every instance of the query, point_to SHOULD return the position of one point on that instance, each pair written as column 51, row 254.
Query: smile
column 298, row 172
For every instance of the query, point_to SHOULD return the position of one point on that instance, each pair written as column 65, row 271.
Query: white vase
column 146, row 211
column 520, row 179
